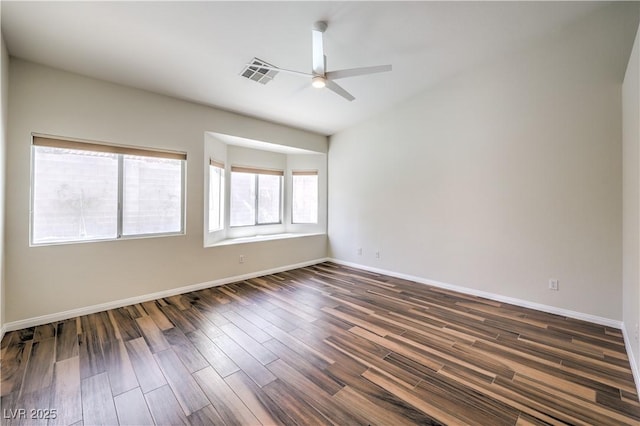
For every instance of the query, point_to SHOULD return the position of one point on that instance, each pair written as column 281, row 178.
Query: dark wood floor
column 320, row 345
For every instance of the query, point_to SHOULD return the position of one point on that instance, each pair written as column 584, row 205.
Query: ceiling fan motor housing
column 320, row 26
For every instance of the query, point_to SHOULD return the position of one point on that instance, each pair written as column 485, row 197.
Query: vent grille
column 256, row 73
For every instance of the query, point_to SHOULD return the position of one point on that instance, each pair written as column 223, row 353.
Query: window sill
column 260, row 238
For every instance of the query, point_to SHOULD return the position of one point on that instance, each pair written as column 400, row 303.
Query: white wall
column 52, row 279
column 500, row 178
column 4, row 94
column 631, row 202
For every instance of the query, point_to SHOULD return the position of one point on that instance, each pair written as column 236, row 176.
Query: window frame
column 257, row 172
column 121, row 151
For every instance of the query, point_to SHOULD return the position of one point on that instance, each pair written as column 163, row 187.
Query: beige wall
column 4, row 94
column 52, row 279
column 631, row 201
column 500, row 178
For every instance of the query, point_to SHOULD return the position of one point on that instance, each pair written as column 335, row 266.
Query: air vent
column 256, row 73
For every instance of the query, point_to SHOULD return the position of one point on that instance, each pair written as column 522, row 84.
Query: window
column 304, row 197
column 256, row 196
column 216, row 196
column 85, row 191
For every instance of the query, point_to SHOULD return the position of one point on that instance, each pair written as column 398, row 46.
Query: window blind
column 99, row 147
column 242, row 169
column 216, row 163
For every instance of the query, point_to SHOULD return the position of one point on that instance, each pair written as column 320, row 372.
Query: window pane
column 75, row 195
column 305, row 199
column 152, row 198
column 243, row 199
column 269, row 198
column 216, row 198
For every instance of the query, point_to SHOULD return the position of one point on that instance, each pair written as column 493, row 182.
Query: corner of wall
column 4, row 95
column 631, row 208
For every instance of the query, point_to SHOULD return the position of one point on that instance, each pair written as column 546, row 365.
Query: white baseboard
column 518, row 302
column 513, row 301
column 492, row 296
column 59, row 316
column 632, row 360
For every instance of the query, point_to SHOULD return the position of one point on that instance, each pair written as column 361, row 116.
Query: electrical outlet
column 360, row 251
column 241, row 259
column 554, row 285
column 377, row 255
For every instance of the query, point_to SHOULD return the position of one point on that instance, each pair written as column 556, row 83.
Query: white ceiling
column 261, row 145
column 196, row 50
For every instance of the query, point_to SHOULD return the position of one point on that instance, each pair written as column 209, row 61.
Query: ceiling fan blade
column 303, row 74
column 318, row 59
column 353, row 72
column 334, row 87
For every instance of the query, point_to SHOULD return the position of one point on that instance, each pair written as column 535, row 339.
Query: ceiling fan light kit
column 318, row 82
column 320, row 77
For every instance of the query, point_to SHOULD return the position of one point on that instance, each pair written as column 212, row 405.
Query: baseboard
column 59, row 316
column 632, row 360
column 492, row 296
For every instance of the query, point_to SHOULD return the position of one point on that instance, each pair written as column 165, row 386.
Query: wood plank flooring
column 326, row 344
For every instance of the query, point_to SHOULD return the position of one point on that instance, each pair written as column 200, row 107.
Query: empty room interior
column 245, row 213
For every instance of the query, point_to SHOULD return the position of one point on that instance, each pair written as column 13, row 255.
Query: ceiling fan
column 320, row 77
